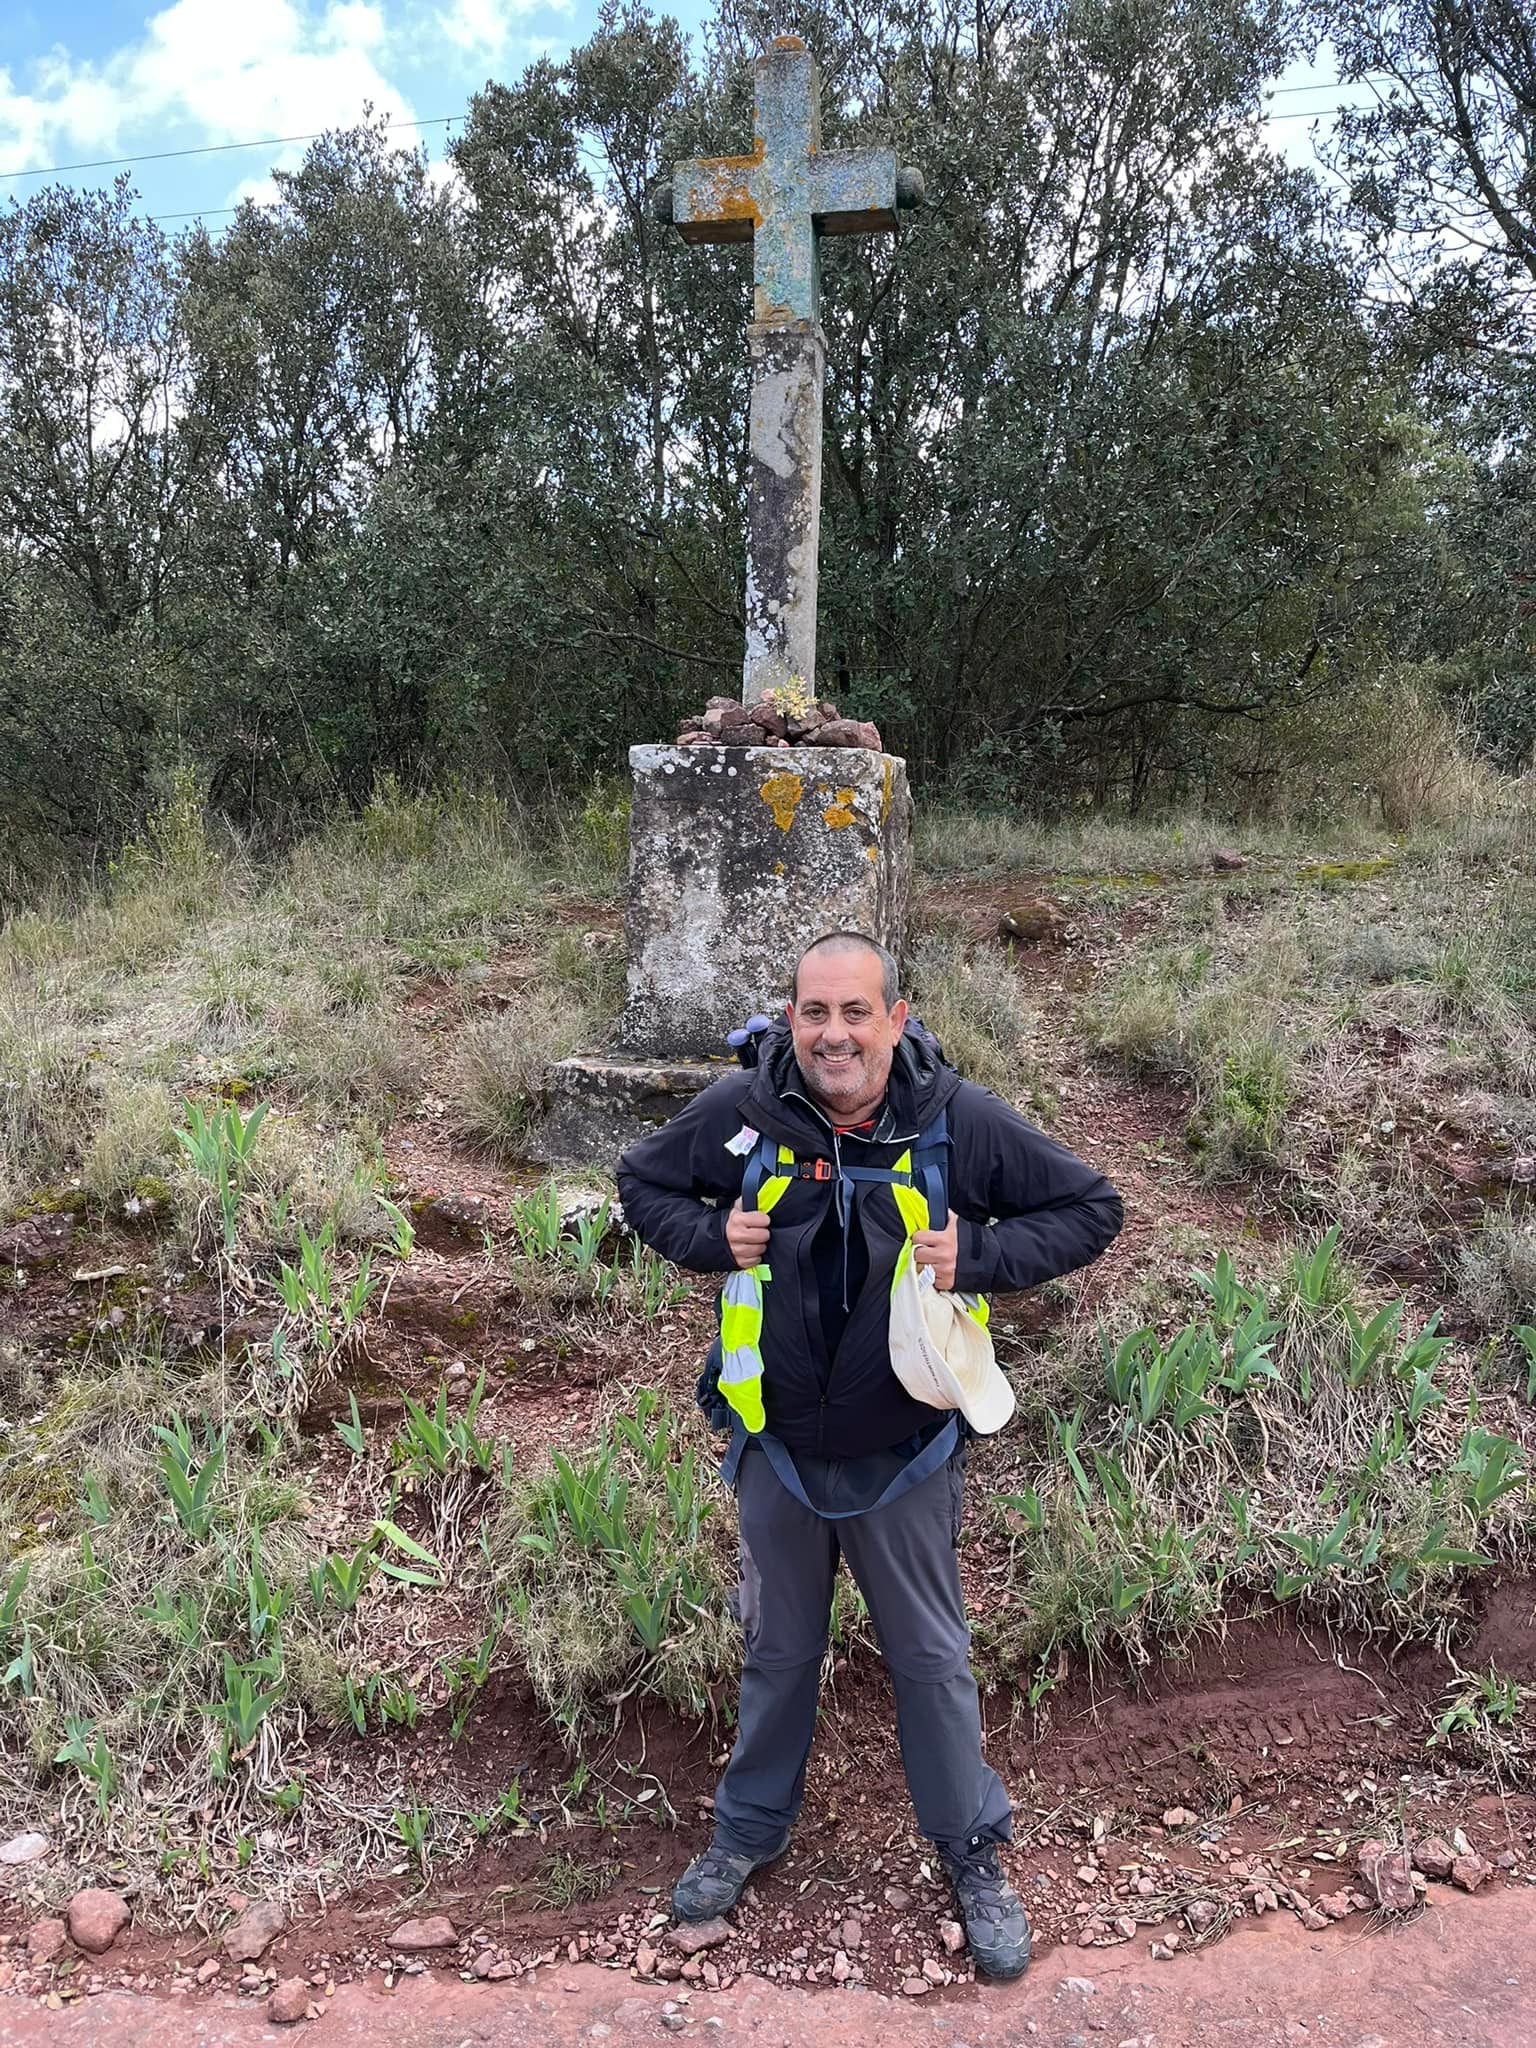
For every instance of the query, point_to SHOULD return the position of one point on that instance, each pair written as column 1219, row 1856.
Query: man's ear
column 898, row 1018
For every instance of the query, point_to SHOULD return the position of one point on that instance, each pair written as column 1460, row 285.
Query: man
column 845, row 1085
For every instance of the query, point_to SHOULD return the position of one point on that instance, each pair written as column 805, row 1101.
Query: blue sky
column 91, row 79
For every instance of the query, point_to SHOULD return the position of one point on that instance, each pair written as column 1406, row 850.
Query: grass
column 1291, row 1444
column 972, row 1002
column 221, row 1546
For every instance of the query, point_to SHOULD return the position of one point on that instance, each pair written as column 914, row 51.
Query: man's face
column 844, row 1035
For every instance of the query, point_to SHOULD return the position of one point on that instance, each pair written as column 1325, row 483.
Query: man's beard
column 849, row 1080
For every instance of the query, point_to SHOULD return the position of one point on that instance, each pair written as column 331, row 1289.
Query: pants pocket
column 955, row 1471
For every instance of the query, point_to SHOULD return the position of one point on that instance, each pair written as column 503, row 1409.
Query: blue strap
column 938, row 1451
column 761, row 1161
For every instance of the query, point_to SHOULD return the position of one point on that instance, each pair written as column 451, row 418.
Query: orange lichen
column 782, row 795
column 840, row 811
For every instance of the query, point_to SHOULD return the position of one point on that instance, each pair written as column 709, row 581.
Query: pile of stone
column 726, row 723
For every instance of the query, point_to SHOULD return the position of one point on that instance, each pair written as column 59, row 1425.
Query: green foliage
column 221, row 1146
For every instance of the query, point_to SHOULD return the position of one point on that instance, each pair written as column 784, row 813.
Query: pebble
column 45, row 1938
column 437, row 1931
column 254, row 1932
column 96, row 1919
column 952, row 1934
column 289, row 2003
column 915, row 1987
column 207, row 1970
column 694, row 1936
column 852, row 1932
column 25, row 1848
column 897, row 1899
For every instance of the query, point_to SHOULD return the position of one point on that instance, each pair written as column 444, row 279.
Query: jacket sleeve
column 1029, row 1209
column 671, row 1182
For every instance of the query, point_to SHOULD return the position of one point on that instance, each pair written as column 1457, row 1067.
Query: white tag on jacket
column 743, row 1141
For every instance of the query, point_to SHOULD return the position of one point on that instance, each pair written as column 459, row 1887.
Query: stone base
column 738, row 858
column 599, row 1106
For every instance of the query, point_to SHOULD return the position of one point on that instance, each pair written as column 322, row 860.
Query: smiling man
column 786, row 1176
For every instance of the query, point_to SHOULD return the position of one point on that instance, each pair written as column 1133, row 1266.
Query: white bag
column 941, row 1353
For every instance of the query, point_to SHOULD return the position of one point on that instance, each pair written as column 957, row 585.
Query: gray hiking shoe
column 996, row 1926
column 713, row 1882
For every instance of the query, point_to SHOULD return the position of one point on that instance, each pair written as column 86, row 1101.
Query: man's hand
column 939, row 1249
column 746, row 1232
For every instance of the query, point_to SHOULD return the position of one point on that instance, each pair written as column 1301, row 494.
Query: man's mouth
column 836, row 1059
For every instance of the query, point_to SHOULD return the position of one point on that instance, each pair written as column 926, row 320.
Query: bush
column 971, row 999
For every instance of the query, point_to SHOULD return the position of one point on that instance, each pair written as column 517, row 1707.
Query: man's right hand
column 746, row 1232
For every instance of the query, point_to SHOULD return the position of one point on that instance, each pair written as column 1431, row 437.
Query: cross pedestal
column 740, row 856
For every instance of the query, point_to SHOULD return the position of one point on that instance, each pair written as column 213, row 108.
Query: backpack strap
column 936, row 1452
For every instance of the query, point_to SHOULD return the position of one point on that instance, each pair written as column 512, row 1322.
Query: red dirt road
column 1463, row 1974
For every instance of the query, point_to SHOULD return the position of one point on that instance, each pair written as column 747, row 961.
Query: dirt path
column 1464, row 1973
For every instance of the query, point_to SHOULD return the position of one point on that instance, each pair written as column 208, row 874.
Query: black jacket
column 1029, row 1210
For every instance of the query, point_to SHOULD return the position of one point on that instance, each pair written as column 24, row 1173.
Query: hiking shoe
column 713, row 1882
column 992, row 1912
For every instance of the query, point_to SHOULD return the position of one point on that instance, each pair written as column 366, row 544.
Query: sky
column 85, row 80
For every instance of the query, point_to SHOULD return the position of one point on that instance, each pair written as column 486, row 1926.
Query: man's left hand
column 939, row 1249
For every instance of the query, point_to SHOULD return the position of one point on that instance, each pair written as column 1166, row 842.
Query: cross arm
column 853, row 191
column 714, row 198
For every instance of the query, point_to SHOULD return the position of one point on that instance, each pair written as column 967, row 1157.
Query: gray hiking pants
column 903, row 1558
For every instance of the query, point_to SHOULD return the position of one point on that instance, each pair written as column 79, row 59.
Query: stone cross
column 780, row 198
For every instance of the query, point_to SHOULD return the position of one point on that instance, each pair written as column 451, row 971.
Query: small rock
column 96, row 1919
column 694, row 1936
column 897, row 1899
column 674, row 2022
column 1125, row 1927
column 1312, row 1919
column 1435, row 1857
column 1162, row 1952
column 1085, row 1987
column 289, row 2003
column 44, row 1940
column 852, row 1933
column 1226, row 860
column 1034, row 923
column 952, row 1934
column 39, row 1241
column 1387, row 1876
column 1470, row 1871
column 1201, row 1915
column 414, row 1936
column 1179, row 1817
column 254, row 1932
column 840, row 732
column 498, row 1973
column 645, row 1960
column 1506, row 1860
column 207, row 1969
column 25, row 1848
column 934, row 1970
column 916, row 1987
column 842, row 1969
column 484, row 1963
column 603, row 1951
column 1336, row 1905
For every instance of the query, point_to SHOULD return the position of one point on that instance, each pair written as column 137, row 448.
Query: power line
column 160, row 156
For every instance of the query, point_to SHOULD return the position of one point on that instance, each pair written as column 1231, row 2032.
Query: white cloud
column 225, row 72
column 483, row 29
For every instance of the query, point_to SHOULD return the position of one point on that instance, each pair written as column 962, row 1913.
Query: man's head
column 845, row 1017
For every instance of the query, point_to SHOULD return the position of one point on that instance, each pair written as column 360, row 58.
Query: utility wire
column 160, row 156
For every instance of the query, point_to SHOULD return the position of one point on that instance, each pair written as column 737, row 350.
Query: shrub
column 495, row 1084
column 973, row 1002
column 1496, row 1272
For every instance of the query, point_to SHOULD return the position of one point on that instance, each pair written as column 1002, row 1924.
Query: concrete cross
column 781, row 198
